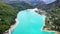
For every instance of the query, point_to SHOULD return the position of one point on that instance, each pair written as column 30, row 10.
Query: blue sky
column 48, row 1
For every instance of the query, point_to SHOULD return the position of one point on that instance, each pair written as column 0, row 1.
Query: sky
column 48, row 1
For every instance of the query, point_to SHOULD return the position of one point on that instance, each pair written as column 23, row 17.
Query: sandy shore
column 49, row 30
column 13, row 26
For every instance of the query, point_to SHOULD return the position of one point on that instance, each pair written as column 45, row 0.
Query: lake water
column 30, row 22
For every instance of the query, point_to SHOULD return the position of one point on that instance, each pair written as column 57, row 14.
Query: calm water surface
column 30, row 22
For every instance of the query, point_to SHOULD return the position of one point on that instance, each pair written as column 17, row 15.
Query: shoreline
column 46, row 29
column 12, row 27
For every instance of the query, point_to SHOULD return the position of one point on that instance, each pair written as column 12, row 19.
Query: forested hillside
column 7, row 16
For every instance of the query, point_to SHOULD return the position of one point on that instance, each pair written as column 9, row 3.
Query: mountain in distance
column 42, row 4
column 33, row 2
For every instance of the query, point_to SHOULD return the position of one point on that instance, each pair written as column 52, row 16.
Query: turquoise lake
column 30, row 22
